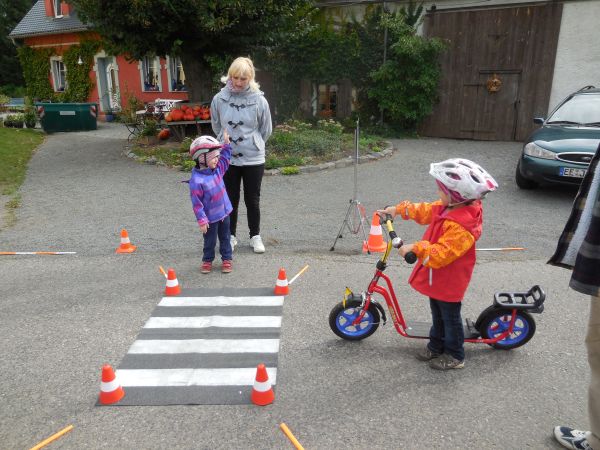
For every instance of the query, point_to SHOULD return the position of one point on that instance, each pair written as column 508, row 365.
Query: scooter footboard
column 532, row 300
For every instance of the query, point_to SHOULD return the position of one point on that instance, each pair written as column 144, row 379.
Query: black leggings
column 252, row 177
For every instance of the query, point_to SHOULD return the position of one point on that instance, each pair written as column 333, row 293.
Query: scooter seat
column 532, row 300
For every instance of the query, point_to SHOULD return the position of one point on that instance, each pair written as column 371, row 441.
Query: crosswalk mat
column 203, row 347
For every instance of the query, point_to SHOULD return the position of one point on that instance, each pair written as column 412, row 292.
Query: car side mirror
column 538, row 120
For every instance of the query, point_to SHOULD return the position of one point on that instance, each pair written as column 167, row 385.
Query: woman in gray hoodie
column 241, row 108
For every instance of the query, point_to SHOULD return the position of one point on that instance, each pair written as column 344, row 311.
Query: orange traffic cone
column 126, row 246
column 281, row 285
column 375, row 243
column 262, row 392
column 172, row 287
column 110, row 390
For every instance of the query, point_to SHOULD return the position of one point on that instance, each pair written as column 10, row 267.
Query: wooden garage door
column 496, row 73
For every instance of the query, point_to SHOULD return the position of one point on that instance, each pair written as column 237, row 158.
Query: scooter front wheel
column 341, row 320
column 494, row 321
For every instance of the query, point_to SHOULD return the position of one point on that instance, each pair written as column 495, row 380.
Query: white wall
column 578, row 53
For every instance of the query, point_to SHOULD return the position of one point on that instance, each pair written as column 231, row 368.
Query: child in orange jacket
column 446, row 252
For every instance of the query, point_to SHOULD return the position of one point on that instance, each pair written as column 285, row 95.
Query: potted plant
column 109, row 116
column 149, row 133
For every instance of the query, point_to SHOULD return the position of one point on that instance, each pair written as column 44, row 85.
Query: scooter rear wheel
column 341, row 318
column 494, row 321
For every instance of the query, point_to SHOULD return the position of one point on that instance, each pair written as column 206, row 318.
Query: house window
column 150, row 67
column 59, row 74
column 57, row 8
column 327, row 101
column 176, row 74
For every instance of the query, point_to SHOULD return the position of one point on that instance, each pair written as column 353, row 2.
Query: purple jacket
column 207, row 191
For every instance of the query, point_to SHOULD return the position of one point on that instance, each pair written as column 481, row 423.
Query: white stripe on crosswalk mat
column 222, row 301
column 191, row 377
column 205, row 346
column 215, row 321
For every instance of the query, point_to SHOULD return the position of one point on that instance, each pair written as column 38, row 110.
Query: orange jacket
column 447, row 251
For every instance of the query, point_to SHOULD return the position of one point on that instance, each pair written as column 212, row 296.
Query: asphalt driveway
column 63, row 317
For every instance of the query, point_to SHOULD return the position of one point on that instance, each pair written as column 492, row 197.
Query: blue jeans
column 220, row 230
column 446, row 334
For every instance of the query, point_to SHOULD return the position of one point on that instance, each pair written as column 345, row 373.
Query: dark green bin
column 67, row 116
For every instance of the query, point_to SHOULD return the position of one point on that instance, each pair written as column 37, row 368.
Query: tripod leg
column 345, row 222
column 363, row 220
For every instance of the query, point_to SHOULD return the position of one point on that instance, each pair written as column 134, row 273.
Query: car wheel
column 523, row 182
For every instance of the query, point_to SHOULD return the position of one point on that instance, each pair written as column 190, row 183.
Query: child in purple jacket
column 209, row 198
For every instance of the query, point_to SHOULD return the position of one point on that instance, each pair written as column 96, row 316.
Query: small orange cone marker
column 110, row 390
column 172, row 287
column 126, row 246
column 282, row 285
column 262, row 392
column 375, row 243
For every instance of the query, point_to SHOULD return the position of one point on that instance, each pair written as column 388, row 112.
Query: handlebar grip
column 410, row 257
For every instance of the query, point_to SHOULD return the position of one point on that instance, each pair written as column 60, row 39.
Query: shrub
column 150, row 128
column 290, row 170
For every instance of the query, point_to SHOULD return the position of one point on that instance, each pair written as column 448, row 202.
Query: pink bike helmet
column 464, row 177
column 203, row 144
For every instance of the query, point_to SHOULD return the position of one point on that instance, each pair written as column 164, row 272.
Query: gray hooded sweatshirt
column 247, row 118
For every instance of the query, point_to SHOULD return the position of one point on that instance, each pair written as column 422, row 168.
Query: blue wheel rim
column 502, row 323
column 344, row 320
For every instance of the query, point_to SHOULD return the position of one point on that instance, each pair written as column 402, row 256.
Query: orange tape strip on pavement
column 38, row 253
column 52, row 438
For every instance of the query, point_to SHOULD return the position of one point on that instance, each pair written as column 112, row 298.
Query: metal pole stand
column 355, row 219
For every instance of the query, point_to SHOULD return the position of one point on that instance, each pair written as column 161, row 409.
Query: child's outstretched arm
column 419, row 212
column 225, row 157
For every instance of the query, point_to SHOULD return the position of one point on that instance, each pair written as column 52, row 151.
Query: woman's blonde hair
column 242, row 67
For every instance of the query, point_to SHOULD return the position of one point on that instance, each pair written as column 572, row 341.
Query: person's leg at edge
column 252, row 179
column 210, row 241
column 232, row 180
column 224, row 242
column 592, row 342
column 436, row 333
column 454, row 335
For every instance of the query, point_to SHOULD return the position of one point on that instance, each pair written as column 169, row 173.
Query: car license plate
column 570, row 172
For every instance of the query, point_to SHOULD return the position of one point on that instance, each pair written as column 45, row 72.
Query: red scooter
column 506, row 324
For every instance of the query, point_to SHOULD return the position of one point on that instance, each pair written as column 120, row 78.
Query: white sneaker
column 257, row 244
column 233, row 241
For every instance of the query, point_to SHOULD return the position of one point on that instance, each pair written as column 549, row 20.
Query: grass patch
column 16, row 148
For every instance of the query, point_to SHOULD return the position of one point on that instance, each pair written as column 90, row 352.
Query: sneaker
column 226, row 267
column 570, row 438
column 233, row 241
column 206, row 267
column 427, row 355
column 257, row 244
column 446, row 362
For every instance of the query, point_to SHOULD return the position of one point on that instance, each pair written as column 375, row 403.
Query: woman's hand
column 391, row 210
column 225, row 136
column 405, row 249
column 204, row 228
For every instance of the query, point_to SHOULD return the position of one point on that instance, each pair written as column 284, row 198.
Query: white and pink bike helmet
column 463, row 179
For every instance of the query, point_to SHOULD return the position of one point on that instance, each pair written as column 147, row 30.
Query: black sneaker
column 427, row 355
column 573, row 439
column 446, row 362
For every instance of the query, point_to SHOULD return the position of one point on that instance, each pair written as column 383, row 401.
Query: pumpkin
column 177, row 115
column 168, row 117
column 164, row 134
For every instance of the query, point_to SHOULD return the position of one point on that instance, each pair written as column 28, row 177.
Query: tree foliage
column 405, row 86
column 202, row 33
column 11, row 12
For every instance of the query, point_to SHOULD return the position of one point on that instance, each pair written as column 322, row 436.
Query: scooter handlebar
column 410, row 257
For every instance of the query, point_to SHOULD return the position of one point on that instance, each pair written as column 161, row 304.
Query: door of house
column 108, row 84
column 489, row 108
